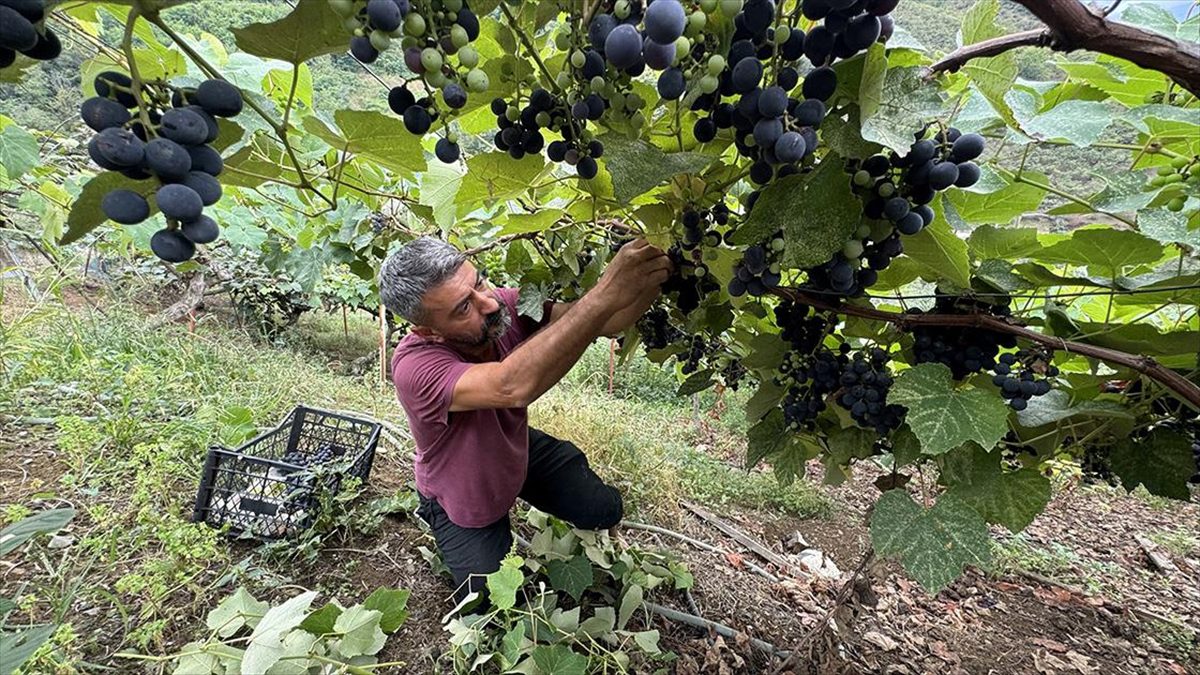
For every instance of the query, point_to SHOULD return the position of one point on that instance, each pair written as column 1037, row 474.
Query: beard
column 495, row 325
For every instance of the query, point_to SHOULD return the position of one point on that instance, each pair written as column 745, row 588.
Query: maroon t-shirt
column 472, row 462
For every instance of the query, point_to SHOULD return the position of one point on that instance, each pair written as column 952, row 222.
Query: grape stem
column 127, row 46
column 1187, row 390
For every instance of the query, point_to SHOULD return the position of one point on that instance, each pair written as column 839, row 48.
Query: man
column 465, row 375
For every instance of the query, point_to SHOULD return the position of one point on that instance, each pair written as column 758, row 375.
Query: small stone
column 60, row 541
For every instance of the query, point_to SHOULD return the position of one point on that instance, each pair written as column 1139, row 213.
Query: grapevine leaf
column 637, row 167
column 943, row 416
column 521, row 223
column 439, row 187
column 766, row 438
column 18, row 151
column 935, row 544
column 766, row 350
column 392, row 603
column 1080, row 123
column 1009, row 498
column 906, row 104
column 630, row 603
column 844, row 137
column 503, row 583
column 817, row 212
column 235, row 611
column 1162, row 462
column 1104, row 248
column 767, row 396
column 990, row 241
column 874, row 73
column 696, row 383
column 312, row 29
column 531, row 300
column 1157, row 18
column 559, row 660
column 321, row 621
column 266, row 642
column 494, row 176
column 906, row 449
column 360, row 631
column 648, row 641
column 1056, row 406
column 1167, row 227
column 941, row 251
column 602, row 622
column 1001, row 206
column 572, row 577
column 993, row 76
column 43, row 522
column 85, row 211
column 376, row 137
column 17, row 646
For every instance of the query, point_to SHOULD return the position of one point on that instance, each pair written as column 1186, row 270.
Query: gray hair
column 408, row 274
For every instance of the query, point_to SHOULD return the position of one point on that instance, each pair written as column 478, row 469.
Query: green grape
column 477, row 80
column 699, row 271
column 730, row 8
column 342, row 7
column 597, row 83
column 1180, row 162
column 458, row 36
column 563, row 41
column 683, row 47
column 886, row 190
column 513, row 113
column 635, row 102
column 778, row 244
column 863, row 232
column 852, row 250
column 353, row 25
column 1165, row 170
column 578, row 58
column 431, row 59
column 436, row 78
column 452, row 5
column 862, row 178
column 408, row 40
column 782, row 33
column 637, row 119
column 696, row 22
column 1173, row 178
column 543, row 119
column 414, row 24
column 468, row 57
column 1177, row 204
column 380, row 40
column 452, row 136
column 1195, row 169
column 563, row 80
column 708, row 6
column 1157, row 181
column 621, row 9
column 716, row 64
column 709, row 84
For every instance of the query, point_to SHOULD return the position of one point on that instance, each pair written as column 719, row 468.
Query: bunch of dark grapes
column 759, row 270
column 690, row 282
column 696, row 351
column 1023, row 375
column 965, row 350
column 656, row 329
column 732, row 373
column 325, row 454
column 800, row 329
column 865, row 384
column 848, row 27
column 429, row 39
column 521, row 132
column 698, row 226
column 23, row 30
column 173, row 151
column 808, row 378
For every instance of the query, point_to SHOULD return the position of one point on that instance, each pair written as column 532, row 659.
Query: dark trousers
column 559, row 482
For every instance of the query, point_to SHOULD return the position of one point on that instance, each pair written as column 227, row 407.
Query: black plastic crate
column 270, row 487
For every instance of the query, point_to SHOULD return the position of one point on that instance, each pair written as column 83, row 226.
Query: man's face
column 464, row 310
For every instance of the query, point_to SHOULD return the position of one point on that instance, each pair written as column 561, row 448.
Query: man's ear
column 427, row 333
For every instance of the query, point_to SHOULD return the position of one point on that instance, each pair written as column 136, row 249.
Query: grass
column 1178, row 542
column 134, row 409
column 1054, row 561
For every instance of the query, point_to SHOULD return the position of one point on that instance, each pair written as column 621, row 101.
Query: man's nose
column 490, row 304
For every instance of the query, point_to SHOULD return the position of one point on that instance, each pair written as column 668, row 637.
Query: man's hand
column 634, row 276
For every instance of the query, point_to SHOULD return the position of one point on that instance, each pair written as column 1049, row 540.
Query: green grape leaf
column 85, row 211
column 1009, row 498
column 494, row 176
column 941, row 251
column 321, row 621
column 1080, row 123
column 439, row 188
column 1159, row 19
column 870, row 90
column 817, row 213
column 1001, row 206
column 990, row 241
column 906, row 103
column 392, row 604
column 1103, row 249
column 637, row 167
column 266, row 642
column 944, row 416
column 934, row 544
column 992, row 76
column 906, row 449
column 766, row 437
column 235, row 611
column 559, row 660
column 572, row 577
column 311, row 29
column 373, row 136
column 18, row 151
column 1056, row 406
column 696, row 383
column 503, row 583
column 630, row 602
column 42, row 522
column 1168, row 227
column 767, row 396
column 360, row 631
column 17, row 646
column 1162, row 462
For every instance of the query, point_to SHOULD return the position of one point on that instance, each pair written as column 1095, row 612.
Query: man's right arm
column 537, row 364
